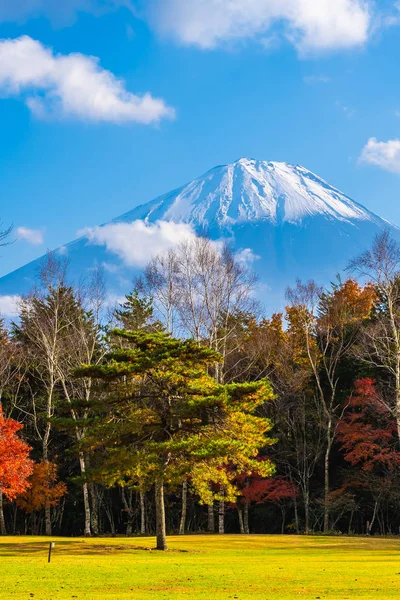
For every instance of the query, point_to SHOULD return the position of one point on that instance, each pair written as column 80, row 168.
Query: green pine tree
column 137, row 312
column 159, row 409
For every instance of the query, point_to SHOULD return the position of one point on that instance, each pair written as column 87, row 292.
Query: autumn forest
column 184, row 408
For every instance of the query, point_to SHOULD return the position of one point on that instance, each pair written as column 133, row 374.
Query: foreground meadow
column 201, row 567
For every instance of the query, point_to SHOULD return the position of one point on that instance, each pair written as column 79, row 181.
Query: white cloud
column 246, row 256
column 9, row 306
column 110, row 268
column 112, row 300
column 311, row 25
column 32, row 236
column 135, row 243
column 71, row 85
column 60, row 12
column 382, row 154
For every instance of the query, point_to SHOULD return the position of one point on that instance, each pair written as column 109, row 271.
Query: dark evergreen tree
column 162, row 410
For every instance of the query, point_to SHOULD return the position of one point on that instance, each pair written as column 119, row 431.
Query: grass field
column 200, row 567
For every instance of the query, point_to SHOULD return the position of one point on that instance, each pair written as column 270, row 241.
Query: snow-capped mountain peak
column 249, row 191
column 284, row 219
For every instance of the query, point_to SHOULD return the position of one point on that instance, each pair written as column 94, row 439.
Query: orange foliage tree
column 44, row 490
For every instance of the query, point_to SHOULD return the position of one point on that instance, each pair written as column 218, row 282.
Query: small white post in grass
column 51, row 546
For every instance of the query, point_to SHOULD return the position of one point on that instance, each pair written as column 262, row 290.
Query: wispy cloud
column 314, row 79
column 9, row 305
column 347, row 110
column 246, row 256
column 385, row 155
column 32, row 236
column 310, row 25
column 71, row 86
column 135, row 243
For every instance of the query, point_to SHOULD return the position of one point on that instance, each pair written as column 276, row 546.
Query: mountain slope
column 250, row 191
column 290, row 222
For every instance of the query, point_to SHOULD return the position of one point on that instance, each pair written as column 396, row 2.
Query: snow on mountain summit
column 252, row 191
column 288, row 223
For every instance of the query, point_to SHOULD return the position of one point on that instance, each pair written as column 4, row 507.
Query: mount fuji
column 284, row 221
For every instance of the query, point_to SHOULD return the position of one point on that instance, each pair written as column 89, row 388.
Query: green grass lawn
column 200, row 567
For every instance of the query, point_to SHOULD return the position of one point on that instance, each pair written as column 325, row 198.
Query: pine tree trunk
column 3, row 529
column 127, row 502
column 161, row 534
column 182, row 524
column 143, row 527
column 240, row 515
column 210, row 515
column 221, row 513
column 210, row 518
column 246, row 518
column 94, row 514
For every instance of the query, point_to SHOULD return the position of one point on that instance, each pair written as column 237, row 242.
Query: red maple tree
column 368, row 430
column 369, row 441
column 15, row 464
column 254, row 488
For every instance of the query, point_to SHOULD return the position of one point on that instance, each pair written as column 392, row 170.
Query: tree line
column 184, row 408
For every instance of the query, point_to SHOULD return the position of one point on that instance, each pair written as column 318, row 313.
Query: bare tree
column 42, row 322
column 330, row 323
column 81, row 344
column 4, row 234
column 197, row 287
column 159, row 282
column 300, row 442
column 59, row 329
column 379, row 344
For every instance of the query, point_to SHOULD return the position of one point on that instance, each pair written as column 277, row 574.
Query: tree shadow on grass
column 73, row 547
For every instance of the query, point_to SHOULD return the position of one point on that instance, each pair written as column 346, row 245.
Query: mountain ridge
column 262, row 181
column 294, row 223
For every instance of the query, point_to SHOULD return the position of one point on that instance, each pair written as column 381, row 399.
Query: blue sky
column 313, row 82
